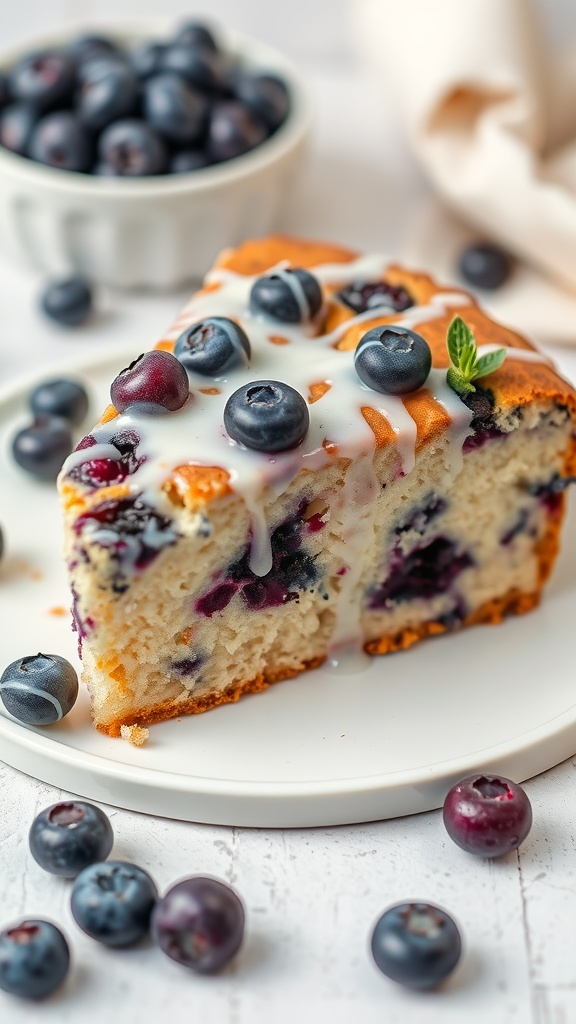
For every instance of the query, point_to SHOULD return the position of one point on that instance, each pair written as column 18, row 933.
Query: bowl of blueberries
column 134, row 156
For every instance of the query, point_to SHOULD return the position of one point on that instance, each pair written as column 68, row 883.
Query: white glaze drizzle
column 335, row 417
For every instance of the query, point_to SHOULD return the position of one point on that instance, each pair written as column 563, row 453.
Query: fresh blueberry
column 199, row 923
column 95, row 68
column 393, row 360
column 39, row 689
column 156, row 382
column 17, row 122
column 175, row 111
column 266, row 96
column 132, row 149
column 200, row 68
column 65, row 398
column 233, row 130
column 68, row 837
column 109, row 92
column 45, row 79
column 89, row 47
column 267, row 415
column 188, row 160
column 213, row 346
column 146, row 59
column 112, row 902
column 485, row 266
column 42, row 447
column 291, row 296
column 487, row 815
column 196, row 34
column 60, row 140
column 416, row 944
column 360, row 296
column 34, row 959
column 68, row 301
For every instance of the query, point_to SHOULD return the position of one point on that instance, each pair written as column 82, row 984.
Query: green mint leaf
column 468, row 359
column 490, row 362
column 459, row 335
column 458, row 383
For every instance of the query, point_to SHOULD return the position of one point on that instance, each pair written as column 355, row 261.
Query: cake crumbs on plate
column 135, row 734
column 58, row 610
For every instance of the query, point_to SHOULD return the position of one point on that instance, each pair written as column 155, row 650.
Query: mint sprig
column 465, row 364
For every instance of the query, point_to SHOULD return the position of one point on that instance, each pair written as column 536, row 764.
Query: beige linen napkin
column 491, row 114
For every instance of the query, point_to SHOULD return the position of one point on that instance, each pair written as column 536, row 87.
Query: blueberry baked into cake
column 327, row 453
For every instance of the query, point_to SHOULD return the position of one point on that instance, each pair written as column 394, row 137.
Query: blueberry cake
column 300, row 471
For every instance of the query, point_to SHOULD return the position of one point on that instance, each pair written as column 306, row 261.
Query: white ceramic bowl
column 160, row 231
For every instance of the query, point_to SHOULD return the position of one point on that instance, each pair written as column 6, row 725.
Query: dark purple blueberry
column 103, row 472
column 233, row 130
column 45, row 79
column 267, row 415
column 487, row 815
column 68, row 301
column 266, row 96
column 416, row 944
column 65, row 398
column 201, row 69
column 131, row 530
column 213, row 346
column 109, row 92
column 196, row 34
column 424, row 573
column 199, row 923
column 89, row 47
column 188, row 160
column 112, row 902
column 5, row 96
column 291, row 296
column 42, row 447
column 360, row 296
column 68, row 837
column 102, row 170
column 95, row 68
column 34, row 959
column 132, row 149
column 485, row 266
column 39, row 689
column 393, row 360
column 146, row 59
column 17, row 122
column 418, row 520
column 156, row 382
column 60, row 140
column 175, row 110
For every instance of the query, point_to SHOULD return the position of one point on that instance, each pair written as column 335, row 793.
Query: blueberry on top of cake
column 325, row 454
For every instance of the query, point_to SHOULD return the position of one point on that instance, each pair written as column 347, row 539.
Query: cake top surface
column 187, row 457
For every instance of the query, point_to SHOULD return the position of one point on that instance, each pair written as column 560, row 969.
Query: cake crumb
column 135, row 734
column 59, row 610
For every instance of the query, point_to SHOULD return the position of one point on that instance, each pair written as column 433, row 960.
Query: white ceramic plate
column 317, row 750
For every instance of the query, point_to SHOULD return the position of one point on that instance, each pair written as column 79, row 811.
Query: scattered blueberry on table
column 416, row 944
column 68, row 837
column 68, row 301
column 267, row 415
column 34, row 959
column 393, row 360
column 42, row 447
column 39, row 689
column 112, row 902
column 487, row 815
column 213, row 346
column 65, row 398
column 64, row 107
column 485, row 266
column 199, row 923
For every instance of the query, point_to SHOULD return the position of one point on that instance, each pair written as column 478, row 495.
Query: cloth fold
column 491, row 114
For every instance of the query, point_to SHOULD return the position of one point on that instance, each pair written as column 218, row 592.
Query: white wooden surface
column 311, row 896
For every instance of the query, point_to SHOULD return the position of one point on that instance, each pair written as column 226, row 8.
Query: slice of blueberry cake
column 326, row 455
